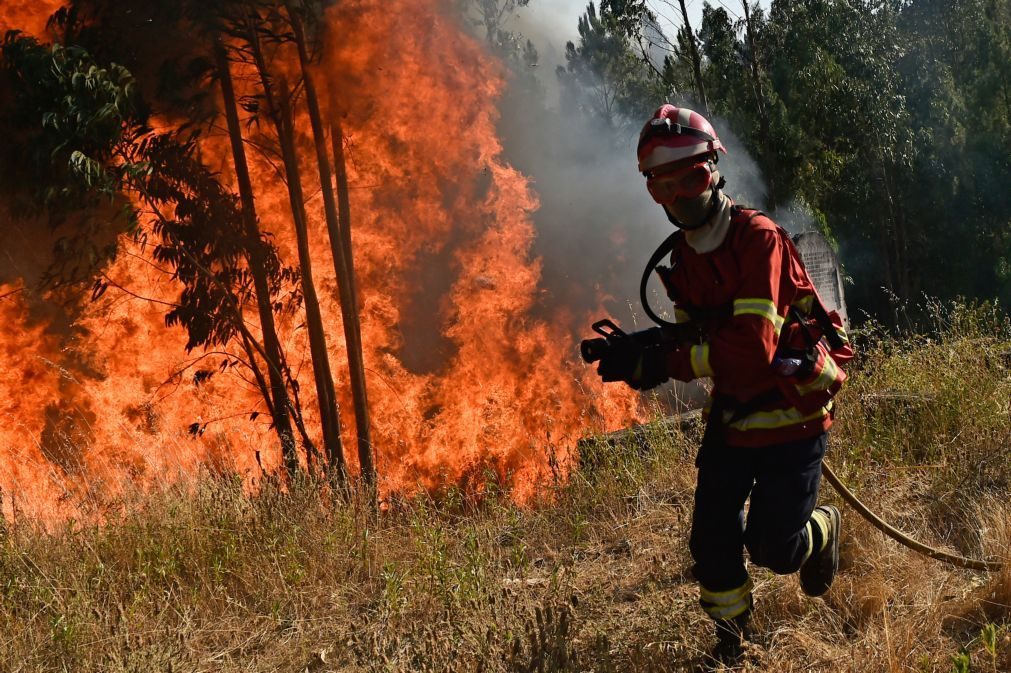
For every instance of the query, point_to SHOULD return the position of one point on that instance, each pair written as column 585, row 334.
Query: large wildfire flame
column 29, row 16
column 461, row 377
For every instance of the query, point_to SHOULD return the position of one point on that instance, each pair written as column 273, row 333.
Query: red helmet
column 673, row 134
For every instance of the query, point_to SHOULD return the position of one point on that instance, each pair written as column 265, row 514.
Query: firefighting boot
column 731, row 642
column 819, row 569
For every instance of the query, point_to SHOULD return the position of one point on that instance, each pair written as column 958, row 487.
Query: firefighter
column 740, row 277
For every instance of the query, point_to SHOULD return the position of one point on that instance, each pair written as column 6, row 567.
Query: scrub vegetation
column 885, row 122
column 593, row 575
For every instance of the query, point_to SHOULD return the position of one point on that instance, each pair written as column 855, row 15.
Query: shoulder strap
column 739, row 216
column 825, row 322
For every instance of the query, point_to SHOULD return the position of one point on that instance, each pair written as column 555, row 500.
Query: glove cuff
column 689, row 363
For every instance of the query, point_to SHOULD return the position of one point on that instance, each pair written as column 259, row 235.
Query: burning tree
column 256, row 35
column 97, row 145
column 249, row 103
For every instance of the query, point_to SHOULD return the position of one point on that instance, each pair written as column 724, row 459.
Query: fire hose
column 900, row 537
column 612, row 337
column 592, row 350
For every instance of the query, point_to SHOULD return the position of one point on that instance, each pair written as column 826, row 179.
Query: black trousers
column 782, row 481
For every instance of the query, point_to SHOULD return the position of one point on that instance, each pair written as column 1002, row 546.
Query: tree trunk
column 897, row 214
column 343, row 198
column 756, row 79
column 339, row 232
column 271, row 343
column 279, row 111
column 344, row 215
column 763, row 115
column 696, row 59
column 261, row 382
column 889, row 236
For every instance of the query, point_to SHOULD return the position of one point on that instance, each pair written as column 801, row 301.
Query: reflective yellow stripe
column 810, row 542
column 825, row 379
column 726, row 604
column 779, row 418
column 681, row 315
column 728, row 612
column 805, row 304
column 728, row 597
column 760, row 307
column 820, row 519
column 700, row 360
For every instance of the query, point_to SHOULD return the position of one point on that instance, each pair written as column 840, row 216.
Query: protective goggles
column 687, row 182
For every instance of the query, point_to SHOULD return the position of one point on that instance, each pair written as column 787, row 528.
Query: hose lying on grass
column 899, row 536
column 639, row 436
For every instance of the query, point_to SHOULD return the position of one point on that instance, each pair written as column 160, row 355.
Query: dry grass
column 594, row 578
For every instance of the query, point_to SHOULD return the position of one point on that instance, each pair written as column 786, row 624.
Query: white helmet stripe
column 684, row 116
column 664, row 155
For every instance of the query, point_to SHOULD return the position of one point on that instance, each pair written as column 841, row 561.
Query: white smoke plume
column 597, row 225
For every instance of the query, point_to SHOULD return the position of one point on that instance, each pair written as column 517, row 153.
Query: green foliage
column 199, row 233
column 912, row 398
column 64, row 118
column 80, row 142
column 988, row 636
column 68, row 111
column 604, row 75
column 961, row 663
column 727, row 88
column 492, row 16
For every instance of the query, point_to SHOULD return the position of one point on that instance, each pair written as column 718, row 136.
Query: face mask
column 691, row 213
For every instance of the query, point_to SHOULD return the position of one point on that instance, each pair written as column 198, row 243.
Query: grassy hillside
column 594, row 577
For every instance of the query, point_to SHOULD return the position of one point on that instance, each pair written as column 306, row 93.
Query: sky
column 550, row 23
column 665, row 9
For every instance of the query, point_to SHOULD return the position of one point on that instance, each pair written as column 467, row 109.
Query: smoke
column 548, row 26
column 597, row 225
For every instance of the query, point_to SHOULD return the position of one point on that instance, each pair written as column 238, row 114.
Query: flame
column 28, row 16
column 461, row 376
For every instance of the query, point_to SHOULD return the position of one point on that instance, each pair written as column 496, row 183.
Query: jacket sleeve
column 746, row 345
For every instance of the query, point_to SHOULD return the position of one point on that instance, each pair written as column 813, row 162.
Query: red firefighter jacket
column 743, row 293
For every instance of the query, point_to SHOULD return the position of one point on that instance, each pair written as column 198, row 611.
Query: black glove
column 618, row 364
column 640, row 368
column 651, row 370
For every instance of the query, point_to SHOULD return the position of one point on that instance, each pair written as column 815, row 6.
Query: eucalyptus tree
column 299, row 14
column 253, row 30
column 264, row 31
column 272, row 344
column 86, row 143
column 255, row 33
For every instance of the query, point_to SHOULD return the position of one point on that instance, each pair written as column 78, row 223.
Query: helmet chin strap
column 714, row 204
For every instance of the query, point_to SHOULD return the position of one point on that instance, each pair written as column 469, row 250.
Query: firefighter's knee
column 773, row 552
